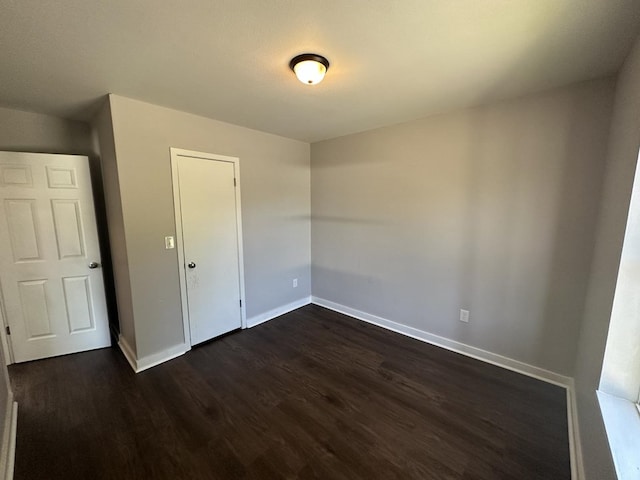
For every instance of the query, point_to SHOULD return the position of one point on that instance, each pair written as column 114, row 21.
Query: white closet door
column 210, row 243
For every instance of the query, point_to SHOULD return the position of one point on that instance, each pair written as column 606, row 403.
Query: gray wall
column 274, row 174
column 122, row 321
column 621, row 163
column 491, row 209
column 34, row 132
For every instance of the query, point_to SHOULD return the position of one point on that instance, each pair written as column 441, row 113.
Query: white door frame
column 176, row 153
column 7, row 348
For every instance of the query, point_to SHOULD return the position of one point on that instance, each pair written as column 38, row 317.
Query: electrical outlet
column 295, row 283
column 464, row 315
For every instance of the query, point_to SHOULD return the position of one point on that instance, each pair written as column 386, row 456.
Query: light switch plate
column 169, row 243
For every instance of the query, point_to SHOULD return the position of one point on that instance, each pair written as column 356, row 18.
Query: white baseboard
column 454, row 346
column 140, row 364
column 161, row 357
column 8, row 448
column 577, row 468
column 276, row 312
column 575, row 446
column 128, row 352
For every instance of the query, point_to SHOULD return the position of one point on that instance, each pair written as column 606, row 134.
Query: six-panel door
column 50, row 277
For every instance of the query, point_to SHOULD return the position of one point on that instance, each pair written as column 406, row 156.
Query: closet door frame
column 176, row 153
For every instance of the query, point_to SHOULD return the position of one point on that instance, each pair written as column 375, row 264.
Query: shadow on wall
column 346, row 220
column 369, row 292
column 530, row 226
column 575, row 232
column 491, row 210
column 105, row 248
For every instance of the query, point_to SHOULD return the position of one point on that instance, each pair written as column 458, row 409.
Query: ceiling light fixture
column 309, row 67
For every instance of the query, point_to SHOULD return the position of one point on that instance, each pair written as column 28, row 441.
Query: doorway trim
column 176, row 153
column 7, row 348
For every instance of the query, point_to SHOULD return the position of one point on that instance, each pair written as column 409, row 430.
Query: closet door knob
column 191, row 265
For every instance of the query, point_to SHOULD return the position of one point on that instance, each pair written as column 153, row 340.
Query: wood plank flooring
column 310, row 395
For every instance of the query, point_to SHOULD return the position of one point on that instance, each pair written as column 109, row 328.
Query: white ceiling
column 391, row 60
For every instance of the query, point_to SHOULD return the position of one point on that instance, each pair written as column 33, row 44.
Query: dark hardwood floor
column 310, row 395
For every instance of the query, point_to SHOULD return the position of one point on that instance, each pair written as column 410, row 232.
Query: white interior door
column 210, row 246
column 50, row 280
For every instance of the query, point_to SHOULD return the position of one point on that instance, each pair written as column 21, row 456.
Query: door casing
column 176, row 153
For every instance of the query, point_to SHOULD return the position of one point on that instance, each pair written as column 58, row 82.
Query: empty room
column 320, row 240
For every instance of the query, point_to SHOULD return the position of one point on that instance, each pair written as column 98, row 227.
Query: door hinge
column 240, row 303
column 234, row 182
column 8, row 329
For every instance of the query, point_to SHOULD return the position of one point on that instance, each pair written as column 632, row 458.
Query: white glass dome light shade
column 309, row 68
column 310, row 71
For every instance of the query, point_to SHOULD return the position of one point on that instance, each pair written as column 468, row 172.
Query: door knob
column 191, row 265
column 94, row 265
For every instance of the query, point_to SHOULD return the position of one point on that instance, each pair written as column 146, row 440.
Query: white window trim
column 622, row 423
